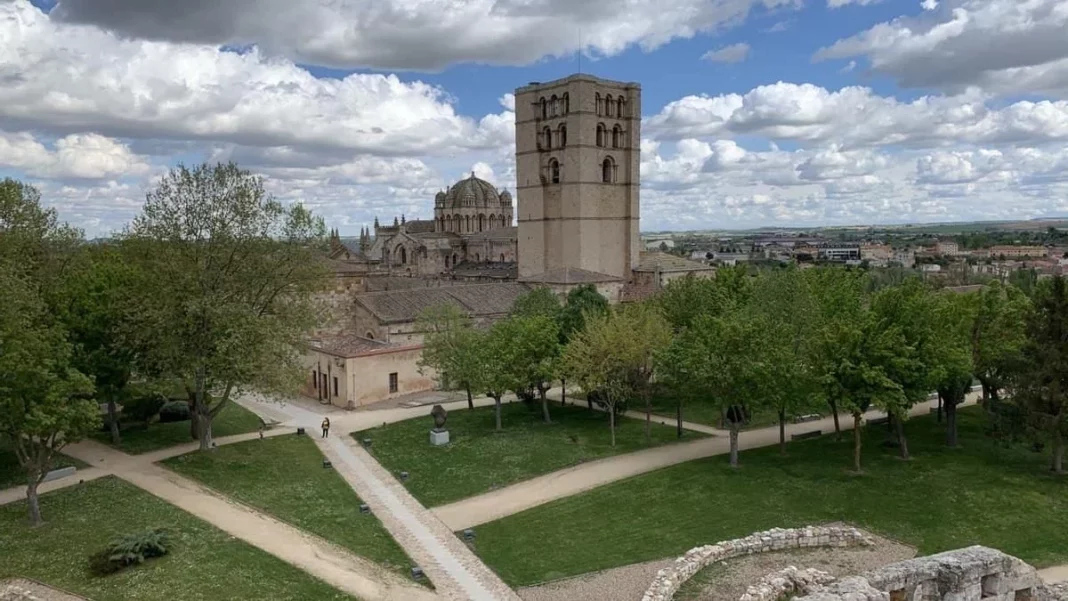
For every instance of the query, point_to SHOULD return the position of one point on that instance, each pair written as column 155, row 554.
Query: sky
column 755, row 112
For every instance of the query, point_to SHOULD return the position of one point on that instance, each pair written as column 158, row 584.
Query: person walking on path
column 326, row 427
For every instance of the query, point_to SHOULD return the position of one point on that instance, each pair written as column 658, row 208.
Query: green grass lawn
column 136, row 439
column 942, row 499
column 12, row 474
column 204, row 563
column 284, row 476
column 477, row 459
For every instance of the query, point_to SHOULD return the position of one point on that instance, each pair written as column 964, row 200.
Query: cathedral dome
column 471, row 192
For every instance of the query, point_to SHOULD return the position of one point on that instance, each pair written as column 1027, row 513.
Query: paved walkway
column 455, row 571
column 320, row 558
column 1054, row 574
column 564, row 483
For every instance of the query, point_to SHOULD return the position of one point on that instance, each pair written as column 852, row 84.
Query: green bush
column 143, row 408
column 130, row 549
column 174, row 411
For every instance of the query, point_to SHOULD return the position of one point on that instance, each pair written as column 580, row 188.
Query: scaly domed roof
column 472, row 192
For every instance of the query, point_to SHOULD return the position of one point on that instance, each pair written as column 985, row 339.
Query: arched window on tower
column 546, row 139
column 481, row 222
column 561, row 136
column 601, row 134
column 609, row 106
column 567, row 104
column 619, row 107
column 608, row 168
column 597, row 102
column 448, row 223
column 544, row 109
column 554, row 106
column 492, row 222
column 467, row 224
column 446, row 261
column 403, row 255
column 554, row 171
column 617, row 136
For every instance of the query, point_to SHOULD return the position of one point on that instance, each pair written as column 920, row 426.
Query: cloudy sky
column 757, row 112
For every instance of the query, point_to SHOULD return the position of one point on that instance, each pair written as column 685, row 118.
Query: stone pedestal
column 439, row 437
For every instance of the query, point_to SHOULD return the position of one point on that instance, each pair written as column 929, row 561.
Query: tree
column 684, row 299
column 599, row 357
column 716, row 358
column 1042, row 378
column 493, row 354
column 950, row 354
column 784, row 313
column 44, row 401
column 450, row 347
column 581, row 302
column 229, row 282
column 92, row 301
column 650, row 334
column 531, row 354
column 997, row 335
column 31, row 236
column 540, row 301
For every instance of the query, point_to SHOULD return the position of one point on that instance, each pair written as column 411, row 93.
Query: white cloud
column 929, row 4
column 1004, row 46
column 424, row 34
column 841, row 3
column 84, row 156
column 849, row 67
column 856, row 116
column 735, row 53
column 74, row 78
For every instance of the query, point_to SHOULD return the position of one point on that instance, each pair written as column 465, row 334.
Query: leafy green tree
column 682, row 300
column 1042, row 377
column 531, row 354
column 581, row 302
column 32, row 237
column 650, row 334
column 493, row 352
column 604, row 359
column 998, row 333
column 230, row 277
column 92, row 301
column 44, row 402
column 950, row 354
column 450, row 348
column 540, row 301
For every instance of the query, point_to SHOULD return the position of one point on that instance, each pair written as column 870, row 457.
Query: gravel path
column 725, row 581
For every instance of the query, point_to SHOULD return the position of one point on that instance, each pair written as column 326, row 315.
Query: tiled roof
column 419, row 226
column 498, row 270
column 398, row 306
column 348, row 345
column 570, row 275
column 662, row 261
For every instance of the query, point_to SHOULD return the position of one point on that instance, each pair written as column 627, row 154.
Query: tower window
column 597, row 102
column 562, row 136
column 608, row 170
column 554, row 171
column 619, row 106
column 567, row 104
column 544, row 111
column 555, row 106
column 617, row 136
column 547, row 138
column 601, row 131
column 608, row 106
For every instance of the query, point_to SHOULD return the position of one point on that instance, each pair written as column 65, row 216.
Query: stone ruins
column 970, row 574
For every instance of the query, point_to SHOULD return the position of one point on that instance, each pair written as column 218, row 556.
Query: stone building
column 577, row 155
column 350, row 371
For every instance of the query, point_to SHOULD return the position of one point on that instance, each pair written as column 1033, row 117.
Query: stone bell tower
column 577, row 158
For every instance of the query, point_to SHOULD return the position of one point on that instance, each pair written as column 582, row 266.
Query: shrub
column 174, row 411
column 130, row 549
column 144, row 408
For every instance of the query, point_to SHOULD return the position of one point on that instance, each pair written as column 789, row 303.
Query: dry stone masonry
column 669, row 579
column 971, row 574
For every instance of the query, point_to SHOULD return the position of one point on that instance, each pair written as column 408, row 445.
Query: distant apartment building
column 839, row 252
column 947, row 248
column 730, row 255
column 1017, row 252
column 876, row 252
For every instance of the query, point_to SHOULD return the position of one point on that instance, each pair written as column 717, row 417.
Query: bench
column 806, row 435
column 62, row 472
column 809, row 417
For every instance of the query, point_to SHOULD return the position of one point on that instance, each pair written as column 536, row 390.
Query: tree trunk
column 544, row 405
column 33, row 502
column 205, row 430
column 612, row 421
column 899, row 424
column 470, row 400
column 837, row 427
column 1057, row 464
column 589, row 402
column 856, row 441
column 563, row 391
column 497, row 410
column 734, row 445
column 782, row 431
column 113, row 418
column 951, row 424
column 941, row 403
column 648, row 417
column 678, row 419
